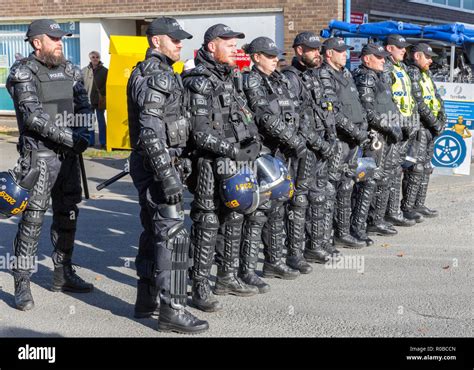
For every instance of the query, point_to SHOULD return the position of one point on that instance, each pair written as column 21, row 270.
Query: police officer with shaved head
column 383, row 119
column 351, row 124
column 159, row 128
column 47, row 91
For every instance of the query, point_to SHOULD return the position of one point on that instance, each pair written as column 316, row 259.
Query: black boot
column 382, row 228
column 375, row 222
column 320, row 229
column 296, row 240
column 331, row 249
column 230, row 283
column 342, row 236
column 421, row 197
column 362, row 198
column 179, row 320
column 273, row 236
column 398, row 219
column 426, row 212
column 252, row 238
column 227, row 259
column 147, row 303
column 413, row 215
column 65, row 279
column 410, row 186
column 393, row 213
column 203, row 236
column 203, row 298
column 315, row 253
column 23, row 298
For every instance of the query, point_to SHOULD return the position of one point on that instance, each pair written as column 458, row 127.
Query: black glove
column 327, row 149
column 361, row 137
column 74, row 141
column 249, row 153
column 437, row 128
column 298, row 145
column 394, row 135
column 172, row 189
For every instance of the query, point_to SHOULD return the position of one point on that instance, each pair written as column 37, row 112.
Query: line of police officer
column 305, row 129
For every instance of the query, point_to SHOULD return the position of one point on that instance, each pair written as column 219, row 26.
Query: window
column 461, row 5
column 469, row 4
column 13, row 46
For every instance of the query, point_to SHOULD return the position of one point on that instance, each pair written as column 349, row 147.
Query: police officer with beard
column 383, row 119
column 224, row 133
column 159, row 129
column 321, row 136
column 277, row 117
column 433, row 120
column 47, row 90
column 396, row 74
column 351, row 126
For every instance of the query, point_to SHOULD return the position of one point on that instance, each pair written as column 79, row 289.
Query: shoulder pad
column 252, row 80
column 20, row 72
column 290, row 69
column 324, row 72
column 365, row 77
column 162, row 81
column 199, row 70
column 199, row 84
column 73, row 70
column 149, row 66
column 414, row 73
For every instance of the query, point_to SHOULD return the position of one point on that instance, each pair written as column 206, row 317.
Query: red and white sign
column 358, row 18
column 357, row 42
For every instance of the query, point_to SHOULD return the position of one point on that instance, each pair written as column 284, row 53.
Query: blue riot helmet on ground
column 240, row 192
column 13, row 197
column 273, row 179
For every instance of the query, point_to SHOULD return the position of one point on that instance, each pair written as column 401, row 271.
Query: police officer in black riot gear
column 49, row 96
column 433, row 120
column 277, row 117
column 395, row 73
column 319, row 130
column 351, row 126
column 224, row 133
column 159, row 129
column 383, row 119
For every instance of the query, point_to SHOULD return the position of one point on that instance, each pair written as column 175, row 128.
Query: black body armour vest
column 383, row 99
column 230, row 116
column 280, row 95
column 314, row 104
column 349, row 98
column 174, row 113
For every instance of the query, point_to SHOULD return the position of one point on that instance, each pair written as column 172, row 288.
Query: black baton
column 84, row 177
column 106, row 183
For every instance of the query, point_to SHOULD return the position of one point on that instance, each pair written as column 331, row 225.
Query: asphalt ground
column 415, row 284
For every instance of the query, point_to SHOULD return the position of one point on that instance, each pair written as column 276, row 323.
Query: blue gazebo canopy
column 454, row 33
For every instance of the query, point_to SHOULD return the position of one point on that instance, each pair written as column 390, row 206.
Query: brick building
column 93, row 21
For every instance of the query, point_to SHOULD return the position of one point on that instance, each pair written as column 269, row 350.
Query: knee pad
column 258, row 217
column 300, row 201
